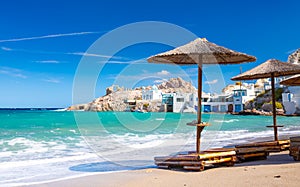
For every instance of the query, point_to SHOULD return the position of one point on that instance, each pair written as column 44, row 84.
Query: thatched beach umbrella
column 270, row 69
column 200, row 52
column 292, row 81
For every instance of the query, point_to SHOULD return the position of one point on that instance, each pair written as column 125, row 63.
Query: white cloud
column 123, row 60
column 163, row 73
column 13, row 72
column 140, row 61
column 46, row 36
column 98, row 55
column 6, row 49
column 89, row 54
column 114, row 62
column 211, row 82
column 120, row 62
column 48, row 61
column 52, row 80
column 118, row 59
column 159, row 81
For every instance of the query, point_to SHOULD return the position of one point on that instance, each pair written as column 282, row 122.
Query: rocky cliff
column 294, row 57
column 177, row 85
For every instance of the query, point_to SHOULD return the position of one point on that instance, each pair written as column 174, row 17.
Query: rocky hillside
column 295, row 57
column 177, row 85
column 115, row 97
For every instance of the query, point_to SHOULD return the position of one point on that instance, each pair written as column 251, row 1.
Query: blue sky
column 42, row 42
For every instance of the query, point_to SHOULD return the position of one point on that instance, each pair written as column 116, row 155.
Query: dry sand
column 278, row 170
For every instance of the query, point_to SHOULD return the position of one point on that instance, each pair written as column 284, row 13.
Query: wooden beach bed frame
column 295, row 148
column 260, row 150
column 197, row 162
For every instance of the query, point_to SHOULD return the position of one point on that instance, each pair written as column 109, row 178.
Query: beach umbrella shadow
column 110, row 166
column 276, row 159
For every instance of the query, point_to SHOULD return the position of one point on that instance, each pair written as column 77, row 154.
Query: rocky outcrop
column 255, row 112
column 294, row 57
column 267, row 107
column 109, row 90
column 78, row 107
column 114, row 101
column 260, row 112
column 177, row 85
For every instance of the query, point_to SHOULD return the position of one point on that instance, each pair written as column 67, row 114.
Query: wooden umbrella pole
column 199, row 128
column 274, row 107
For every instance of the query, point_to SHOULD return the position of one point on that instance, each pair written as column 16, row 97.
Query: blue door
column 237, row 108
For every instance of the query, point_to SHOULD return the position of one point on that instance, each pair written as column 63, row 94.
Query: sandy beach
column 278, row 170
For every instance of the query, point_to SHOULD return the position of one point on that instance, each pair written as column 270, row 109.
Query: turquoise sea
column 39, row 146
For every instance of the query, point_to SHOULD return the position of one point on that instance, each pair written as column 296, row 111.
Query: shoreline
column 57, row 109
column 53, row 168
column 279, row 169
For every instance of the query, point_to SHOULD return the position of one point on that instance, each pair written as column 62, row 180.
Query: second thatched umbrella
column 292, row 81
column 270, row 69
column 200, row 52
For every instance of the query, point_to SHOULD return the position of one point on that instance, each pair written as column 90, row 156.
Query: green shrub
column 278, row 105
column 278, row 94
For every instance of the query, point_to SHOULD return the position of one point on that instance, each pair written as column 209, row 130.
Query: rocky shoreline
column 255, row 112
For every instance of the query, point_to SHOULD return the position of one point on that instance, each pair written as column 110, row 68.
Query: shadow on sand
column 273, row 159
column 111, row 166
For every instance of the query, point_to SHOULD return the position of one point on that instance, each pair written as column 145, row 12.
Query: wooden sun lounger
column 260, row 150
column 270, row 146
column 198, row 162
column 295, row 148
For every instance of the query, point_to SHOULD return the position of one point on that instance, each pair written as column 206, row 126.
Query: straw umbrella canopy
column 270, row 69
column 292, row 81
column 200, row 51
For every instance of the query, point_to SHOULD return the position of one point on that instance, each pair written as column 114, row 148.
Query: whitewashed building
column 291, row 101
column 241, row 96
column 180, row 102
column 153, row 94
column 277, row 80
column 218, row 103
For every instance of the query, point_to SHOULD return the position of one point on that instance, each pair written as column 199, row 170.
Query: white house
column 291, row 101
column 241, row 96
column 180, row 102
column 153, row 94
column 218, row 103
column 277, row 80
